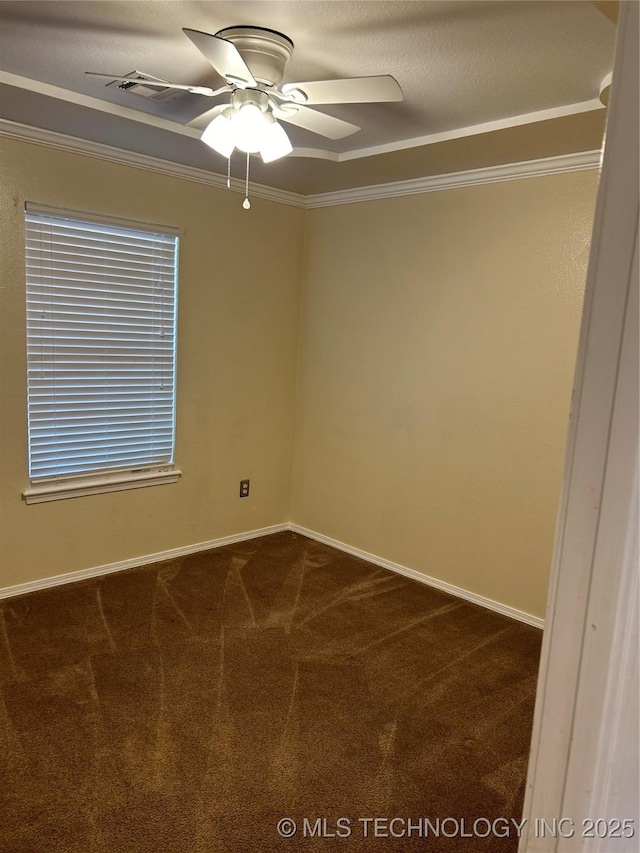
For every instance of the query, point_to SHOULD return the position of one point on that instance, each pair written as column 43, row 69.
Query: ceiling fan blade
column 329, row 126
column 351, row 90
column 205, row 119
column 224, row 56
column 161, row 84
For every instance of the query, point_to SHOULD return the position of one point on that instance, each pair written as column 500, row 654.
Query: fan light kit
column 252, row 61
column 248, row 125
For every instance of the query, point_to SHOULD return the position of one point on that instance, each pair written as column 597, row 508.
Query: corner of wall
column 296, row 410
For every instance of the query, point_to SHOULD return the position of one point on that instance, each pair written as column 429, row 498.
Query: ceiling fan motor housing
column 245, row 97
column 266, row 52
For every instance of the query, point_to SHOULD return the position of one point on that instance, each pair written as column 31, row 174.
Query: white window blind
column 101, row 346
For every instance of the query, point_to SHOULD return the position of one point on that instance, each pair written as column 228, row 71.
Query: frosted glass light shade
column 220, row 136
column 250, row 130
column 275, row 143
column 248, row 125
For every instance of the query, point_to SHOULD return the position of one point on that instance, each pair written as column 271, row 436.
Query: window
column 101, row 353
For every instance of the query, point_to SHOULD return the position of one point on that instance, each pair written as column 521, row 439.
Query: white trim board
column 135, row 562
column 132, row 114
column 76, row 145
column 171, row 553
column 457, row 591
column 580, row 161
column 561, row 164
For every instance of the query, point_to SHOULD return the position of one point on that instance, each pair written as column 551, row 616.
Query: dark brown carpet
column 192, row 704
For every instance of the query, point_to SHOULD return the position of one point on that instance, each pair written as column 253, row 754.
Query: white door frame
column 584, row 751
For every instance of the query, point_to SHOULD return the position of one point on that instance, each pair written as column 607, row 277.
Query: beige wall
column 439, row 334
column 437, row 342
column 238, row 335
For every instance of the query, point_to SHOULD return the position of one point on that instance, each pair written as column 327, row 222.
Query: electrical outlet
column 244, row 488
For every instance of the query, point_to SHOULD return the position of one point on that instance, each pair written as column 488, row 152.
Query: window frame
column 70, row 485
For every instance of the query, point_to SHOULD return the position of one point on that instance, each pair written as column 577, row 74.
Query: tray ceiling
column 484, row 82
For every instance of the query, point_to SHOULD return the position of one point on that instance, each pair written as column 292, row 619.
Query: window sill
column 61, row 490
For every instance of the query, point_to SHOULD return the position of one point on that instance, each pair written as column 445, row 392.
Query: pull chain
column 229, row 172
column 246, row 203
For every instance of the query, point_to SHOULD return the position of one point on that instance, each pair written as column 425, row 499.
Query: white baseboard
column 83, row 574
column 489, row 603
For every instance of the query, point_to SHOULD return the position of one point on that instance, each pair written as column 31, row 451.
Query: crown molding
column 561, row 164
column 53, row 139
column 493, row 174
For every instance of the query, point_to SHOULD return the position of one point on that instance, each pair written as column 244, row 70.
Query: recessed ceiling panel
column 461, row 65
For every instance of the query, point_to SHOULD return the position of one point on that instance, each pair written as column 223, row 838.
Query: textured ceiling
column 463, row 67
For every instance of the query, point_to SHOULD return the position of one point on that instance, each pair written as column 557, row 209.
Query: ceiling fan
column 252, row 61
